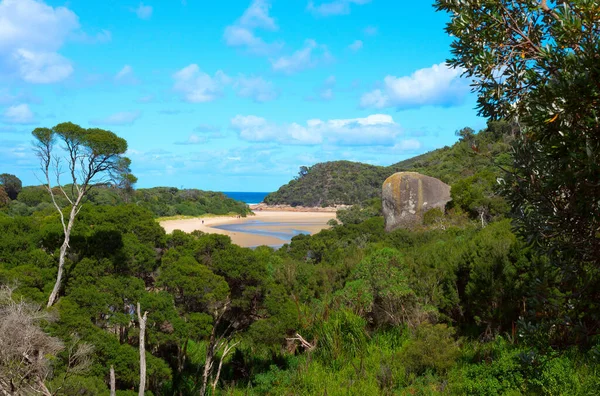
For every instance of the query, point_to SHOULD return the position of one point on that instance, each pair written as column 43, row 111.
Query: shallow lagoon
column 280, row 230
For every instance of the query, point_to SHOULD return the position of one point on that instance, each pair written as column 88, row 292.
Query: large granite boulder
column 407, row 196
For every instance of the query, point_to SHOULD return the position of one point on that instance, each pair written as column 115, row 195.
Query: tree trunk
column 210, row 353
column 226, row 351
column 142, row 321
column 113, row 391
column 61, row 258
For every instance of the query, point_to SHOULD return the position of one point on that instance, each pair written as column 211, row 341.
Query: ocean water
column 247, row 197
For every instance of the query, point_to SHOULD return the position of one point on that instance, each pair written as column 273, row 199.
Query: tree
column 4, row 198
column 535, row 63
column 12, row 185
column 92, row 156
column 142, row 322
column 303, row 171
column 25, row 350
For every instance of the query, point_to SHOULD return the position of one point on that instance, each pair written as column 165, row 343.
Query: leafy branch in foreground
column 536, row 63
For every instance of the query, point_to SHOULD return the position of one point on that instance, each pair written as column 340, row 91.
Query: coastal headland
column 271, row 226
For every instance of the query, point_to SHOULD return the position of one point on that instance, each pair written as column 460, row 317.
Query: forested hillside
column 349, row 183
column 161, row 201
column 331, row 183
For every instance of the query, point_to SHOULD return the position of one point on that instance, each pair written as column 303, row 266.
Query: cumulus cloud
column 19, row 114
column 126, row 76
column 438, row 85
column 143, row 11
column 326, row 90
column 9, row 98
column 256, row 88
column 374, row 130
column 146, row 99
column 307, row 57
column 356, row 45
column 192, row 140
column 195, row 86
column 337, row 7
column 31, row 34
column 242, row 33
column 103, row 36
column 371, row 31
column 121, row 118
column 257, row 16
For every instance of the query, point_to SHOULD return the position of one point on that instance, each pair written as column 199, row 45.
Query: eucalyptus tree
column 89, row 157
column 537, row 63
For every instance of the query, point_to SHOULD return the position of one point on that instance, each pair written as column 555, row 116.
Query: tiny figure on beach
column 202, row 221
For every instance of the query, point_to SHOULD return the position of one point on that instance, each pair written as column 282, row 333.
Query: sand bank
column 288, row 208
column 263, row 221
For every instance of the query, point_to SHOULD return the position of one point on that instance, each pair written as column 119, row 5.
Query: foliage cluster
column 161, row 201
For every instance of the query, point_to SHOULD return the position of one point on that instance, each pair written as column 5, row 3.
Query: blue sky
column 231, row 95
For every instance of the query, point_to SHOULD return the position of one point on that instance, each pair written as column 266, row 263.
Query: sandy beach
column 269, row 223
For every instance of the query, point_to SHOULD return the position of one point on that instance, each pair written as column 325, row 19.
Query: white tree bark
column 113, row 390
column 142, row 320
column 228, row 348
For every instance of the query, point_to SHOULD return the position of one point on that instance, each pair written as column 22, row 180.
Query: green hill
column 350, row 183
column 331, row 183
column 161, row 201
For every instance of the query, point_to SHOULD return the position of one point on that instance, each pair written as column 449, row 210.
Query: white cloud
column 121, row 118
column 256, row 88
column 307, row 57
column 407, row 145
column 146, row 99
column 242, row 32
column 9, row 98
column 124, row 72
column 42, row 67
column 143, row 11
column 193, row 139
column 19, row 114
column 103, row 36
column 327, row 94
column 438, row 85
column 31, row 33
column 336, row 7
column 326, row 90
column 257, row 16
column 356, row 45
column 374, row 130
column 195, row 86
column 126, row 76
column 255, row 129
column 371, row 31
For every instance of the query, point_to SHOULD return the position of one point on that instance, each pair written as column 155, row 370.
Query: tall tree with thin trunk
column 90, row 157
column 142, row 320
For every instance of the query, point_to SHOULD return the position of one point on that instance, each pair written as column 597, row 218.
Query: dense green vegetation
column 405, row 312
column 351, row 183
column 498, row 295
column 161, row 201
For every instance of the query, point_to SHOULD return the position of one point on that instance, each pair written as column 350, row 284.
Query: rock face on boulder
column 406, row 196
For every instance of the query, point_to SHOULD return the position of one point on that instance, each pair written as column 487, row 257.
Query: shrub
column 432, row 348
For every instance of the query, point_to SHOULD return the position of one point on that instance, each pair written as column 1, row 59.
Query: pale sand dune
column 312, row 222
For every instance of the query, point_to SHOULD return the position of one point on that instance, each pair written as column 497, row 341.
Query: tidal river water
column 281, row 230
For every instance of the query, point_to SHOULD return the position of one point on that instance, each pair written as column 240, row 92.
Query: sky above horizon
column 235, row 95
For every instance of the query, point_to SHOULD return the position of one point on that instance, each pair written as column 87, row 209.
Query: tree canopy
column 11, row 184
column 536, row 63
